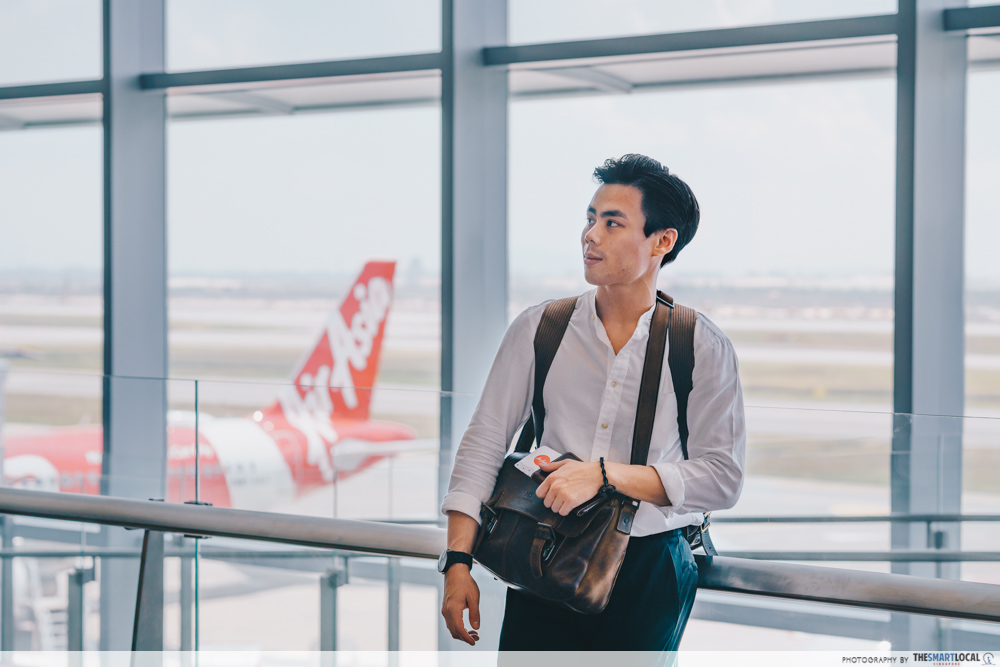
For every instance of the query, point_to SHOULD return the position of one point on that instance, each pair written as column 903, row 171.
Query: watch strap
column 456, row 557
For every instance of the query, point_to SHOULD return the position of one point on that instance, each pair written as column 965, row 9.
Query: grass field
column 817, row 381
column 861, row 461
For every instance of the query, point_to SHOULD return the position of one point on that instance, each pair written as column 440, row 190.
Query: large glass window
column 560, row 20
column 51, row 308
column 980, row 455
column 982, row 236
column 239, row 33
column 49, row 40
column 272, row 219
column 51, row 253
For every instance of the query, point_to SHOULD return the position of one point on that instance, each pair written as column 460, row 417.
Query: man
column 638, row 221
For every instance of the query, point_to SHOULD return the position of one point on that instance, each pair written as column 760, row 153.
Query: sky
column 793, row 179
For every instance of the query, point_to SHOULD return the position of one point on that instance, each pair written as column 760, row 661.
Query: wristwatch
column 449, row 558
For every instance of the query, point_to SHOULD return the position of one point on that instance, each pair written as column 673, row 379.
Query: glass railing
column 274, row 447
column 254, row 596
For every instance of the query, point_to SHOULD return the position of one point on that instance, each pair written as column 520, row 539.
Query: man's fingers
column 453, row 618
column 448, row 624
column 549, row 466
column 474, row 612
column 456, row 627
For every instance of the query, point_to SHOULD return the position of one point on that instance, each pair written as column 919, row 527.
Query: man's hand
column 461, row 592
column 569, row 484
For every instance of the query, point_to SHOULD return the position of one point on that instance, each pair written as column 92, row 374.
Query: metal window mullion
column 135, row 311
column 473, row 208
column 929, row 341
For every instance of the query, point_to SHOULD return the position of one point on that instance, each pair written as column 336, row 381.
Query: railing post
column 392, row 580
column 187, row 598
column 7, row 590
column 328, row 585
column 147, row 631
column 75, row 610
column 7, row 526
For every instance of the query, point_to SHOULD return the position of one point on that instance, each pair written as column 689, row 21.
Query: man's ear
column 666, row 240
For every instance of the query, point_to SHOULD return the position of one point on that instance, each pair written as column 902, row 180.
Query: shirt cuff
column 672, row 482
column 462, row 502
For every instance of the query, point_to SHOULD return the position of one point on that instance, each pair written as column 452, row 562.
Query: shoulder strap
column 550, row 332
column 649, row 386
column 681, row 361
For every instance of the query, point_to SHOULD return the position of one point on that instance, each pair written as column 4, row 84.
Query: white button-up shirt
column 590, row 400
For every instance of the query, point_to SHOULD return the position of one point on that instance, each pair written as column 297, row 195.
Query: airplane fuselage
column 244, row 463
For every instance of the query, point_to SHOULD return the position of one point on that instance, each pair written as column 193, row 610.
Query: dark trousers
column 648, row 609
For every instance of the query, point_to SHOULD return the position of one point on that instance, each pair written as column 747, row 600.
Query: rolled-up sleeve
column 503, row 407
column 712, row 477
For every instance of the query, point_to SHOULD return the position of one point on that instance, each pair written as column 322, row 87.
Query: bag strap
column 649, row 386
column 548, row 336
column 681, row 361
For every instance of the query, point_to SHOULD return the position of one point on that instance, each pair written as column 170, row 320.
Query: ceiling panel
column 713, row 67
column 49, row 111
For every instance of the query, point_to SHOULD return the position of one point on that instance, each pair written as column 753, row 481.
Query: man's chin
column 595, row 278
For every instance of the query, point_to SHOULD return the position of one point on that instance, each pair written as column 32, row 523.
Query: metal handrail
column 870, row 590
column 204, row 520
column 806, row 518
column 896, row 556
column 865, row 518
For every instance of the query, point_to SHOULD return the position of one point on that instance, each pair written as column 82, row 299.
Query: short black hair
column 667, row 201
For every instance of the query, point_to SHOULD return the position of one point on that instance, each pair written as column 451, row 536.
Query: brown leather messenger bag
column 574, row 560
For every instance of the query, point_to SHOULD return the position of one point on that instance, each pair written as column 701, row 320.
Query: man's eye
column 612, row 222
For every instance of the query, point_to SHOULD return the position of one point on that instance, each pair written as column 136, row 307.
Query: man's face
column 615, row 247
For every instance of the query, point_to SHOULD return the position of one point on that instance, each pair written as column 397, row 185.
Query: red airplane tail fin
column 334, row 379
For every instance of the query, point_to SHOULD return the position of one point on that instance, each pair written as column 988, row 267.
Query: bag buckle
column 550, row 541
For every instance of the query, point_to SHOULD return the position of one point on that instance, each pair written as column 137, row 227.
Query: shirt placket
column 610, row 401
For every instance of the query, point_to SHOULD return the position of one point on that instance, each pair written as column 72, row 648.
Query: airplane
column 317, row 432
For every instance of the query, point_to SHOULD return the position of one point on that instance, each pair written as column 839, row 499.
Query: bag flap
column 515, row 492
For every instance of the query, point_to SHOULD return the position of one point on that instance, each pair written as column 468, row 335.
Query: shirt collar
column 641, row 328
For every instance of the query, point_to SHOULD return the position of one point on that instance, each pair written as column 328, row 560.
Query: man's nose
column 592, row 235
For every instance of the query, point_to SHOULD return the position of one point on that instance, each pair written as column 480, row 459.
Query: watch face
column 442, row 561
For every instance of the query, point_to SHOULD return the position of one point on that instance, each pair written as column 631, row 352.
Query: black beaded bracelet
column 607, row 488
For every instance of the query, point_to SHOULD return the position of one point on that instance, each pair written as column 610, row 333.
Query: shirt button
column 614, row 384
column 604, row 425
